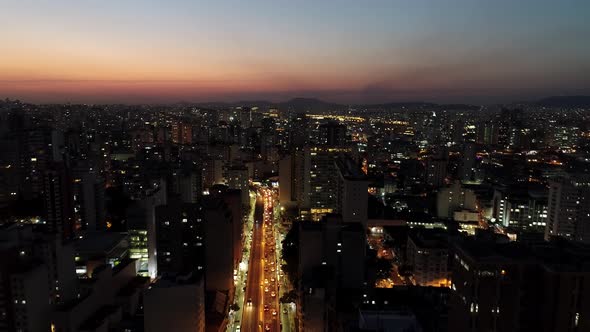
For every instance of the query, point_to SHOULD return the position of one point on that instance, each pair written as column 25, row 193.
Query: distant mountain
column 320, row 106
column 565, row 101
column 295, row 104
column 310, row 104
column 399, row 104
column 417, row 105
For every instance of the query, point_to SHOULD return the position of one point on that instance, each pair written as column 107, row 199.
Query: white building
column 454, row 198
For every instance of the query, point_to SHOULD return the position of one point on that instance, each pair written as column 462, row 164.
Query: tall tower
column 59, row 205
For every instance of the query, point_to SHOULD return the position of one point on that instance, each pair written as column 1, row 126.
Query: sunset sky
column 345, row 51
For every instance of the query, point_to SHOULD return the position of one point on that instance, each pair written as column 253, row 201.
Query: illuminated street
column 261, row 304
column 253, row 306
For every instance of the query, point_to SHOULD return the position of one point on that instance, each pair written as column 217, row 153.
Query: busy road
column 261, row 301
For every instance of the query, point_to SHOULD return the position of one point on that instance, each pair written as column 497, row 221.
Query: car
column 274, row 312
column 266, row 289
column 249, row 303
column 267, row 327
column 273, row 294
column 284, row 310
column 266, row 307
column 272, row 279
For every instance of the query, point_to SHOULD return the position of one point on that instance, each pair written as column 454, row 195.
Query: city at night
column 321, row 166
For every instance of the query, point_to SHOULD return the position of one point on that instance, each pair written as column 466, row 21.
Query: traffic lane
column 272, row 317
column 251, row 315
column 253, row 301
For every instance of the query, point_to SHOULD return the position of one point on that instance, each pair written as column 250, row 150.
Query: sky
column 349, row 51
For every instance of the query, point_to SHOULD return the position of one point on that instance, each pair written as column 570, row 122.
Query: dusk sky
column 344, row 51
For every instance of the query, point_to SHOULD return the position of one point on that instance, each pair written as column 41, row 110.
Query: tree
column 290, row 253
column 289, row 297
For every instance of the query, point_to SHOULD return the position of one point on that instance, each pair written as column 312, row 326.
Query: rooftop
column 558, row 255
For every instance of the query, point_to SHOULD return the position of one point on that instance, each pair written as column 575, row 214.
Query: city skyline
column 293, row 166
column 490, row 52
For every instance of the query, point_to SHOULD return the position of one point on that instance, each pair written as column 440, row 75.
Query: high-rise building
column 182, row 133
column 212, row 172
column 179, row 237
column 487, row 133
column 187, row 183
column 298, row 130
column 569, row 209
column 352, row 193
column 88, row 199
column 436, row 172
column 564, row 137
column 467, row 171
column 286, row 194
column 245, row 117
column 319, row 183
column 39, row 148
column 232, row 199
column 219, row 254
column 332, row 134
column 59, row 205
column 48, row 248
